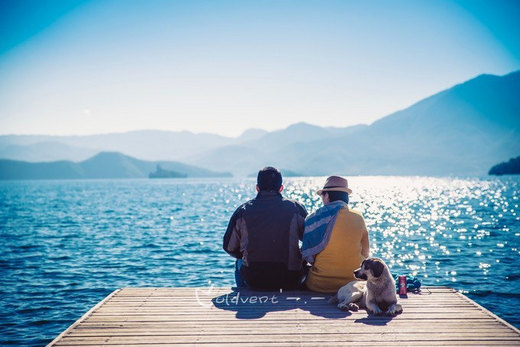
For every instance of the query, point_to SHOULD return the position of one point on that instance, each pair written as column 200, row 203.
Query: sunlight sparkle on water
column 67, row 244
column 415, row 220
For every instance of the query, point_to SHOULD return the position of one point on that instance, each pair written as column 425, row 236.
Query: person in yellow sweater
column 335, row 240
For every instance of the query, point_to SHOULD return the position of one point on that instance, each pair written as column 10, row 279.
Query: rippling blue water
column 67, row 244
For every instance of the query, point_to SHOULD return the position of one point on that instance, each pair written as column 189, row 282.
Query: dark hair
column 269, row 178
column 334, row 196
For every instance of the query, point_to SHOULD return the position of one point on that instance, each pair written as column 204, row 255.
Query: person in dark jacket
column 263, row 236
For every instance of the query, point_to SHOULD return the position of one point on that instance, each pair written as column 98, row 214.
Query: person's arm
column 232, row 236
column 365, row 243
column 302, row 213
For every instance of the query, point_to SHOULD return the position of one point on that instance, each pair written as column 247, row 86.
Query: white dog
column 376, row 293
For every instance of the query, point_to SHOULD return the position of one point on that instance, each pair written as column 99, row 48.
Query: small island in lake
column 512, row 167
column 162, row 173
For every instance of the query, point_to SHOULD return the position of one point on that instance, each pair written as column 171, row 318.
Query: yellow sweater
column 347, row 248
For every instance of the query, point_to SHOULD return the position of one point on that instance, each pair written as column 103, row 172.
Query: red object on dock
column 402, row 286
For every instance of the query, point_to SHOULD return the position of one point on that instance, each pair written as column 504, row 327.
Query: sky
column 89, row 67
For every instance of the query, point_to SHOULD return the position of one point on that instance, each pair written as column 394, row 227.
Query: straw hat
column 335, row 184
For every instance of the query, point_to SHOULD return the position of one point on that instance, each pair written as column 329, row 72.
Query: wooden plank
column 177, row 316
column 213, row 338
column 339, row 338
column 323, row 343
column 491, row 314
column 187, row 312
column 304, row 332
column 402, row 325
column 272, row 316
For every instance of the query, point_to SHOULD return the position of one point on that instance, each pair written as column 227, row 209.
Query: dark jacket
column 264, row 233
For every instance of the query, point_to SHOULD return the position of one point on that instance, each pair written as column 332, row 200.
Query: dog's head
column 370, row 268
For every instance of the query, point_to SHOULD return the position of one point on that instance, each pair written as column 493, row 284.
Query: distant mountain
column 511, row 167
column 462, row 130
column 102, row 165
column 45, row 151
column 250, row 156
column 284, row 172
column 459, row 131
column 143, row 144
column 346, row 131
column 251, row 134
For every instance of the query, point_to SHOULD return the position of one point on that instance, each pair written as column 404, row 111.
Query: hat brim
column 339, row 189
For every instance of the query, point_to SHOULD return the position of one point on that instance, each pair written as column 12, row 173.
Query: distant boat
column 161, row 173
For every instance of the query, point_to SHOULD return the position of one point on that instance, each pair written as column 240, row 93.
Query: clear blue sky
column 84, row 67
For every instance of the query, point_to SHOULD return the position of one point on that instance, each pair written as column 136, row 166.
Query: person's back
column 334, row 266
column 335, row 240
column 264, row 233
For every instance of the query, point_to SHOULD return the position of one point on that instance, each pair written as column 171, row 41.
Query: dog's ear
column 377, row 268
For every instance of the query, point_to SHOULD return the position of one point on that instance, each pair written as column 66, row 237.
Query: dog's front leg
column 373, row 308
column 394, row 309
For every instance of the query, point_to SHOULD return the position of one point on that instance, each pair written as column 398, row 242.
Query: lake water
column 67, row 244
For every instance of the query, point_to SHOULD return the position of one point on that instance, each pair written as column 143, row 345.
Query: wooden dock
column 221, row 316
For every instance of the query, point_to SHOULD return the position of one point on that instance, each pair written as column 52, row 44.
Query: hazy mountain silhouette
column 249, row 156
column 284, row 172
column 511, row 167
column 463, row 130
column 251, row 134
column 102, row 165
column 45, row 151
column 459, row 131
column 143, row 144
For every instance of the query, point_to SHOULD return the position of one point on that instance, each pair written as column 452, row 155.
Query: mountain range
column 462, row 130
column 102, row 165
